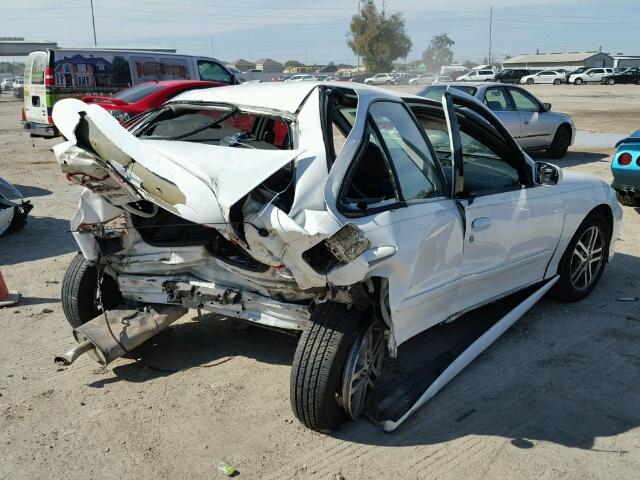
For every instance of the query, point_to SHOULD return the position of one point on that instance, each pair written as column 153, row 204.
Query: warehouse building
column 626, row 61
column 567, row 61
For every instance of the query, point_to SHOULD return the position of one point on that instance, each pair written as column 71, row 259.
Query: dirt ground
column 556, row 397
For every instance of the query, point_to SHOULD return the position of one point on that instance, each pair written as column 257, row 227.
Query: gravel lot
column 556, row 397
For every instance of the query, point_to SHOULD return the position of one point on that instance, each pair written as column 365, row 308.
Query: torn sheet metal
column 471, row 353
column 197, row 182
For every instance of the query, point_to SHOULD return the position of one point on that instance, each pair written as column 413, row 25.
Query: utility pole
column 358, row 56
column 212, row 47
column 93, row 22
column 490, row 31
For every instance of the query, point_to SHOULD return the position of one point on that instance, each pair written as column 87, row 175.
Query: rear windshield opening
column 222, row 126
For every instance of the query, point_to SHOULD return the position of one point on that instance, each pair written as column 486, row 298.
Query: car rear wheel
column 80, row 295
column 611, row 81
column 557, row 81
column 560, row 144
column 335, row 367
column 584, row 259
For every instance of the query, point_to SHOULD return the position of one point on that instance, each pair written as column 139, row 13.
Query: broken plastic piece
column 227, row 469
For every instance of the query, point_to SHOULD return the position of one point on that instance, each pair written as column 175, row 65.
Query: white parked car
column 547, row 76
column 301, row 77
column 6, row 84
column 381, row 79
column 322, row 209
column 423, row 79
column 589, row 75
column 442, row 79
column 477, row 76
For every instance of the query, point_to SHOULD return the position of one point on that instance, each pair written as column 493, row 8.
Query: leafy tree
column 293, row 63
column 379, row 39
column 439, row 51
column 470, row 65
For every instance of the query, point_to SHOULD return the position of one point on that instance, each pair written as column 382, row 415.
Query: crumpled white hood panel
column 197, row 182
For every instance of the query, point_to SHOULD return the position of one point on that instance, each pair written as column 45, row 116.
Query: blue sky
column 308, row 30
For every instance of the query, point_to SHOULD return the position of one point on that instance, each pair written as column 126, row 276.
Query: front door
column 512, row 226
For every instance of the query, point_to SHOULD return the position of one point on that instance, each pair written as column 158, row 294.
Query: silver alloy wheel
column 362, row 369
column 587, row 258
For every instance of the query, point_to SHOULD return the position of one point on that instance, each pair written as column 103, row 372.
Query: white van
column 53, row 74
column 477, row 76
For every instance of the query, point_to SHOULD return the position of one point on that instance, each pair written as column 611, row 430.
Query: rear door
column 35, row 93
column 546, row 77
column 537, row 129
column 595, row 74
column 392, row 188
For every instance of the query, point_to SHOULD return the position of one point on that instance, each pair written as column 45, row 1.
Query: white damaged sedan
column 356, row 216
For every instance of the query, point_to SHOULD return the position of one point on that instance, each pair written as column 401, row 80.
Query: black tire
column 530, row 81
column 564, row 289
column 628, row 200
column 578, row 81
column 560, row 144
column 318, row 364
column 80, row 292
column 557, row 81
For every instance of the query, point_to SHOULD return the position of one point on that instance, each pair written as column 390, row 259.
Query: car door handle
column 481, row 223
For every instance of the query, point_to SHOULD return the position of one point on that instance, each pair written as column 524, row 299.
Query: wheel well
column 605, row 211
column 566, row 126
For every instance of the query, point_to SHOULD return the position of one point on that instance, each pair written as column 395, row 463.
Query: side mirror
column 546, row 107
column 547, row 174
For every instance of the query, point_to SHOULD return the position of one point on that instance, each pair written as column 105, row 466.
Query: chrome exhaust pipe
column 71, row 356
column 119, row 331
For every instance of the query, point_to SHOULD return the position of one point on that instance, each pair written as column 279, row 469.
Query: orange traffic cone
column 7, row 298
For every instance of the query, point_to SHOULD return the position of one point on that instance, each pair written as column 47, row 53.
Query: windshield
column 137, row 93
column 216, row 125
column 435, row 92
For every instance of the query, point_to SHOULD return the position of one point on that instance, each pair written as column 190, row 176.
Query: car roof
column 280, row 96
column 175, row 83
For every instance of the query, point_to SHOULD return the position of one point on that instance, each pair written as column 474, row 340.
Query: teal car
column 626, row 170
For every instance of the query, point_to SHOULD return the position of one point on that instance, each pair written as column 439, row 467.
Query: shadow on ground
column 202, row 344
column 573, row 158
column 42, row 237
column 30, row 191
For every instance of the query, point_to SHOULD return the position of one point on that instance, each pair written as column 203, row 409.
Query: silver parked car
column 530, row 121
